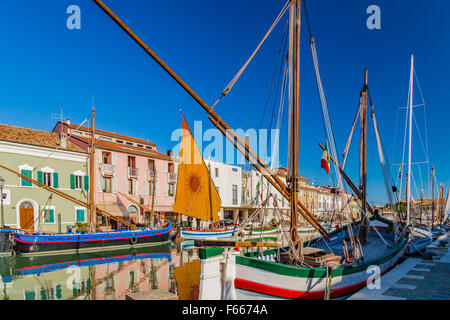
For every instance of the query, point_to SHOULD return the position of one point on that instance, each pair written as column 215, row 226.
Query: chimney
column 63, row 140
column 170, row 153
column 68, row 121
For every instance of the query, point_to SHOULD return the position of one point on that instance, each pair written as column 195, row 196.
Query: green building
column 52, row 159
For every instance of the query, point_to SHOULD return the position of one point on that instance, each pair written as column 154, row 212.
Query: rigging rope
column 236, row 77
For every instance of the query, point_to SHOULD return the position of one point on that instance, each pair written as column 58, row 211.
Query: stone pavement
column 415, row 278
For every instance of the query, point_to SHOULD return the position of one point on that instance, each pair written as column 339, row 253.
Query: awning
column 113, row 208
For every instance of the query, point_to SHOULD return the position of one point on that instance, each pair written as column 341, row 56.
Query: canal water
column 106, row 275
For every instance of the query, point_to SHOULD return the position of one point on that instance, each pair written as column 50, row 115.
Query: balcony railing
column 172, row 176
column 107, row 169
column 133, row 172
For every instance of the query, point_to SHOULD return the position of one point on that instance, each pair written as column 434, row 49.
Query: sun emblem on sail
column 194, row 183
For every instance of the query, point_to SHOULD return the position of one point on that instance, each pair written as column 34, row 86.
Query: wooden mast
column 92, row 176
column 293, row 179
column 363, row 144
column 432, row 197
column 408, row 182
column 421, row 206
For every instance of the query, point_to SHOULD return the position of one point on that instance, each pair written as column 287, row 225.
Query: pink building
column 130, row 166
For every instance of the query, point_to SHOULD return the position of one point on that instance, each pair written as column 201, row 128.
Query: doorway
column 26, row 214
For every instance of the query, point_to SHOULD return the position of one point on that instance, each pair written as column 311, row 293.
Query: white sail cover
column 447, row 207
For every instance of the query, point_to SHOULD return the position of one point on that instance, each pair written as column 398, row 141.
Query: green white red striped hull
column 263, row 278
column 257, row 231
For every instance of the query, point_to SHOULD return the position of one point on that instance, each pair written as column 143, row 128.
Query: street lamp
column 2, row 183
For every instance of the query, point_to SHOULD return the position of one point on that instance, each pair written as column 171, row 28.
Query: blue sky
column 45, row 66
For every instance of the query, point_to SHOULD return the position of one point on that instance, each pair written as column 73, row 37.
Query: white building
column 227, row 179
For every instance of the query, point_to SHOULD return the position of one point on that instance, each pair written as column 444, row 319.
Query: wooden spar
column 265, row 168
column 305, row 213
column 68, row 197
column 93, row 219
column 348, row 180
column 293, row 179
column 363, row 144
column 349, row 141
column 421, row 205
column 230, row 243
column 140, row 205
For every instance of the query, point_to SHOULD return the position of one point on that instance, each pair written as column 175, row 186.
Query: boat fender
column 133, row 240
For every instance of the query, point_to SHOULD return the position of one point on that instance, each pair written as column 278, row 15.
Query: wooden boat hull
column 228, row 231
column 257, row 231
column 32, row 244
column 260, row 277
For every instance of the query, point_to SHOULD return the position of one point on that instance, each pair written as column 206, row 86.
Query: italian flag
column 258, row 192
column 325, row 161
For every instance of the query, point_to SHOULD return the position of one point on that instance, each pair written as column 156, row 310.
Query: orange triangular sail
column 196, row 193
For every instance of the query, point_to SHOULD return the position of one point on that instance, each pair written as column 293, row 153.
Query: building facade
column 51, row 159
column 129, row 166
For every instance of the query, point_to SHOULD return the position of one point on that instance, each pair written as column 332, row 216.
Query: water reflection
column 107, row 275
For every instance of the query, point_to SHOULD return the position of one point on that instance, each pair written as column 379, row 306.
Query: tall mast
column 408, row 195
column 421, row 205
column 432, row 196
column 92, row 175
column 295, row 121
column 363, row 144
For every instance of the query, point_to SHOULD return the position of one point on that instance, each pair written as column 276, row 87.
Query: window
column 105, row 139
column 151, row 165
column 107, row 184
column 80, row 215
column 234, row 170
column 47, row 178
column 217, row 172
column 119, row 141
column 131, row 162
column 140, row 145
column 78, row 182
column 150, row 148
column 24, row 182
column 171, row 167
column 106, row 157
column 130, row 186
column 171, row 189
column 77, row 133
column 49, row 215
column 235, row 194
column 129, row 143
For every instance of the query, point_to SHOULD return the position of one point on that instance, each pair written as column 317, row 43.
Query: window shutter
column 100, row 184
column 72, row 181
column 135, row 187
column 86, row 182
column 127, row 187
column 113, row 158
column 147, row 188
column 27, row 173
column 114, row 185
column 39, row 176
column 156, row 188
column 55, row 180
column 99, row 157
column 167, row 189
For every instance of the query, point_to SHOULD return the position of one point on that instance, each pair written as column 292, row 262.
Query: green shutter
column 58, row 291
column 80, row 215
column 39, row 176
column 72, row 182
column 86, row 182
column 30, row 295
column 50, row 216
column 26, row 183
column 43, row 294
column 55, row 180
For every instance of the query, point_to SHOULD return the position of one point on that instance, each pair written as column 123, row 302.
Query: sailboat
column 197, row 196
column 419, row 239
column 38, row 243
column 326, row 266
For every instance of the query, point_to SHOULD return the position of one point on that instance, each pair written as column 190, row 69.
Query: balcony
column 133, row 172
column 107, row 169
column 152, row 174
column 172, row 177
